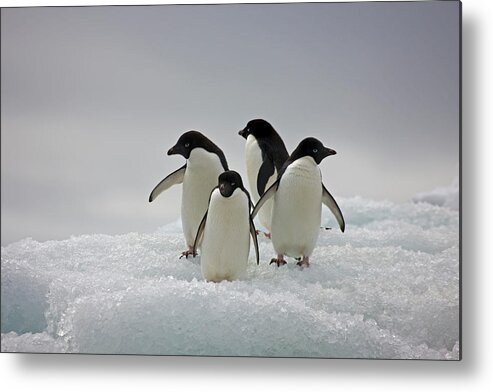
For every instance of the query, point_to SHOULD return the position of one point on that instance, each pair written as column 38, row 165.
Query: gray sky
column 93, row 97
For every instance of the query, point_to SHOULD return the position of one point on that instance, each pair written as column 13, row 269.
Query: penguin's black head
column 228, row 182
column 258, row 128
column 313, row 148
column 187, row 142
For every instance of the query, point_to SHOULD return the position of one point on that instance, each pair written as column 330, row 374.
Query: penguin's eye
column 233, row 184
column 187, row 145
column 315, row 150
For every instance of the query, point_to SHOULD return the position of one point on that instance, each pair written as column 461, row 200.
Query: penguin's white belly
column 201, row 176
column 226, row 242
column 253, row 156
column 297, row 209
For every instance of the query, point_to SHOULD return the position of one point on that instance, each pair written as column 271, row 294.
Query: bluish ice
column 386, row 288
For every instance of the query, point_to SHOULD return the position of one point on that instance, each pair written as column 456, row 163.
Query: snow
column 444, row 196
column 386, row 288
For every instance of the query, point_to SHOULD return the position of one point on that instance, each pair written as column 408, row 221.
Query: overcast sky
column 93, row 97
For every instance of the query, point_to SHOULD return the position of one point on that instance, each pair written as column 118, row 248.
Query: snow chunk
column 443, row 196
column 32, row 343
column 386, row 288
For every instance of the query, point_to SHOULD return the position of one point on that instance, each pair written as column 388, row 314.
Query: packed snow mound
column 386, row 288
column 444, row 196
column 35, row 343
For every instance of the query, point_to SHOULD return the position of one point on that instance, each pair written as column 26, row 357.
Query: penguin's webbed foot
column 303, row 263
column 267, row 235
column 278, row 261
column 188, row 252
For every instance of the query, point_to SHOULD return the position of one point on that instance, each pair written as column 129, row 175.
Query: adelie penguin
column 265, row 153
column 298, row 195
column 205, row 161
column 224, row 233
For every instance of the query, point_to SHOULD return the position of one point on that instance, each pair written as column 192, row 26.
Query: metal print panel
column 268, row 180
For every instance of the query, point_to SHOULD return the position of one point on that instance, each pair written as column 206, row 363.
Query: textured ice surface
column 444, row 196
column 386, row 288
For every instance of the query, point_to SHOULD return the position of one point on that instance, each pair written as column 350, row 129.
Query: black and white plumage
column 265, row 154
column 224, row 232
column 205, row 161
column 298, row 195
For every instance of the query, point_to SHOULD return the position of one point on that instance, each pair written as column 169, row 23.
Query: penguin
column 205, row 161
column 298, row 195
column 224, row 232
column 265, row 153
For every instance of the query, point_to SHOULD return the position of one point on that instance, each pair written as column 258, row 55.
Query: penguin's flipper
column 265, row 172
column 253, row 232
column 330, row 202
column 200, row 233
column 266, row 196
column 172, row 179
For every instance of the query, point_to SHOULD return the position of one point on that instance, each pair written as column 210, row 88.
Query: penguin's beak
column 243, row 133
column 178, row 149
column 329, row 152
column 226, row 189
